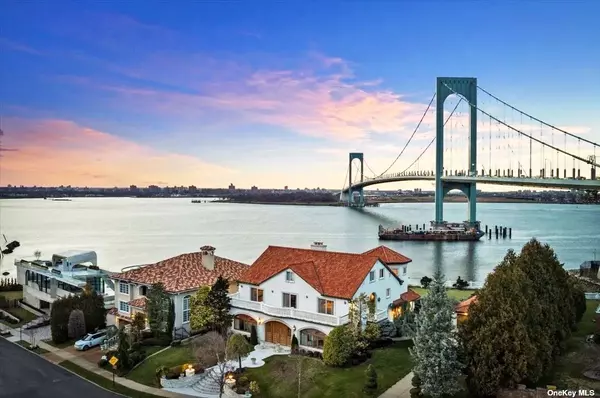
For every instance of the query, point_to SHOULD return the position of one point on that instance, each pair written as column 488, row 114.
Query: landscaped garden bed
column 279, row 376
column 171, row 358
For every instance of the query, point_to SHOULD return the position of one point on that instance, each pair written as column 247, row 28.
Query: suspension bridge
column 515, row 149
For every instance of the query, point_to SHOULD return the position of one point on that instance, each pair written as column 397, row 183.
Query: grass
column 579, row 355
column 37, row 350
column 104, row 382
column 12, row 295
column 279, row 376
column 21, row 313
column 459, row 295
column 146, row 372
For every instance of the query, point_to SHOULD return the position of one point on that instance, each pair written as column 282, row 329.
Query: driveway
column 92, row 355
column 26, row 375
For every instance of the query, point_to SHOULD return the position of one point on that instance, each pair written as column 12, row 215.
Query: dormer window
column 289, row 276
column 143, row 290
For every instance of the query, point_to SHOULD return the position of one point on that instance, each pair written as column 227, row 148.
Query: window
column 403, row 270
column 123, row 306
column 243, row 323
column 388, row 292
column 381, row 273
column 290, row 300
column 372, row 276
column 143, row 290
column 325, row 306
column 312, row 338
column 123, row 288
column 186, row 309
column 256, row 294
column 289, row 276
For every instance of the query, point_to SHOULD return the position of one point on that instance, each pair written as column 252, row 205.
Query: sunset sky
column 271, row 94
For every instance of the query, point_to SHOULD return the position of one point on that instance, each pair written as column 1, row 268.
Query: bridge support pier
column 466, row 87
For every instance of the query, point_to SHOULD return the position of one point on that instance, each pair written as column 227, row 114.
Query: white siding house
column 289, row 291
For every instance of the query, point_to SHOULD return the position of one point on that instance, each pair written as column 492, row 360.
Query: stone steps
column 208, row 385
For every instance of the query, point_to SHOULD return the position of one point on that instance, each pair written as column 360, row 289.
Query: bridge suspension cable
column 588, row 161
column 535, row 118
column 433, row 140
column 411, row 137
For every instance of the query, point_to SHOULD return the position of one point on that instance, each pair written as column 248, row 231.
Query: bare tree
column 37, row 254
column 210, row 351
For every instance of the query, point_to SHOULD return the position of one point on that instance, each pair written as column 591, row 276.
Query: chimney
column 208, row 257
column 318, row 246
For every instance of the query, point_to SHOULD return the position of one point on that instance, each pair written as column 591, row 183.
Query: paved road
column 25, row 375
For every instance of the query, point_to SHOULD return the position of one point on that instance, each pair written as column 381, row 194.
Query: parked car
column 90, row 340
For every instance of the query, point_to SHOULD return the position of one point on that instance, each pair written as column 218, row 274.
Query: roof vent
column 318, row 246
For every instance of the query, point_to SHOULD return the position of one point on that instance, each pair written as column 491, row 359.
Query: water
column 129, row 231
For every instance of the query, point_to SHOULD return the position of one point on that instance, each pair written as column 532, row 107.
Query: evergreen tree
column 200, row 312
column 157, row 308
column 370, row 387
column 219, row 302
column 253, row 336
column 94, row 310
column 435, row 351
column 76, row 325
column 59, row 319
column 171, row 319
column 123, row 350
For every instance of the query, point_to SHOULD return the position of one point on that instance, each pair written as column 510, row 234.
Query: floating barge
column 444, row 231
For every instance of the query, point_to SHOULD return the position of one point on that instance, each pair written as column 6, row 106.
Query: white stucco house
column 306, row 292
column 182, row 276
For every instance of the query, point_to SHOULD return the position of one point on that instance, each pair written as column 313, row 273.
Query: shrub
column 425, row 281
column 253, row 336
column 339, row 346
column 157, row 341
column 372, row 332
column 254, row 389
column 370, row 387
column 387, row 329
column 76, row 325
column 295, row 345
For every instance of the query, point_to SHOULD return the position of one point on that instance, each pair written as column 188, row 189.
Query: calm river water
column 129, row 231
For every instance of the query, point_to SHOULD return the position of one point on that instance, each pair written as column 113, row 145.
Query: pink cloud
column 60, row 152
column 321, row 101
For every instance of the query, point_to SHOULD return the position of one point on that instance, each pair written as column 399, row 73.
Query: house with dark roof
column 181, row 276
column 307, row 292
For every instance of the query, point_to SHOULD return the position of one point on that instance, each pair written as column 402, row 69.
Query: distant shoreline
column 408, row 199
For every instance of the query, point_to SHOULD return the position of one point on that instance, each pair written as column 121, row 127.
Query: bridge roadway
column 552, row 183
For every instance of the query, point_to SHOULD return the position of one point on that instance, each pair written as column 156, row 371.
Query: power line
column 536, row 119
column 526, row 135
column 411, row 137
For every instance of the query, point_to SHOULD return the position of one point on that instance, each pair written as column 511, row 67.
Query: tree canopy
column 520, row 321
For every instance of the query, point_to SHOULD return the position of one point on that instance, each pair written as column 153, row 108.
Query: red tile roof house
column 307, row 292
column 181, row 275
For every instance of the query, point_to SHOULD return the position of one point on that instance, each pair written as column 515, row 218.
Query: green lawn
column 12, row 295
column 279, row 376
column 21, row 313
column 579, row 355
column 459, row 295
column 104, row 382
column 146, row 372
column 26, row 344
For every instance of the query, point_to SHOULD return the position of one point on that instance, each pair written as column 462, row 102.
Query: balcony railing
column 287, row 312
column 295, row 313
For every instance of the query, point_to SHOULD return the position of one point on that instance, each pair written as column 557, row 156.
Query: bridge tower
column 351, row 191
column 466, row 87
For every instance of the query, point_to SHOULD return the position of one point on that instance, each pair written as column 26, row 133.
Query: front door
column 278, row 333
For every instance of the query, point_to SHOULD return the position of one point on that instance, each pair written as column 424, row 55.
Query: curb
column 70, row 371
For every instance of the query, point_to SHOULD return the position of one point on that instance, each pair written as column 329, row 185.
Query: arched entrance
column 278, row 333
column 244, row 323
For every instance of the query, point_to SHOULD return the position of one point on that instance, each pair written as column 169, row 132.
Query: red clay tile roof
column 463, row 306
column 138, row 303
column 406, row 297
column 388, row 256
column 183, row 273
column 112, row 311
column 332, row 274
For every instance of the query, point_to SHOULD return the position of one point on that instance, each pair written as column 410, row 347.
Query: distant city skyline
column 213, row 93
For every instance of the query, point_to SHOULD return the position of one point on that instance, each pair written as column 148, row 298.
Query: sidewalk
column 57, row 355
column 401, row 389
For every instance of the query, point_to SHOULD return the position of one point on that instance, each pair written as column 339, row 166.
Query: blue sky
column 274, row 93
